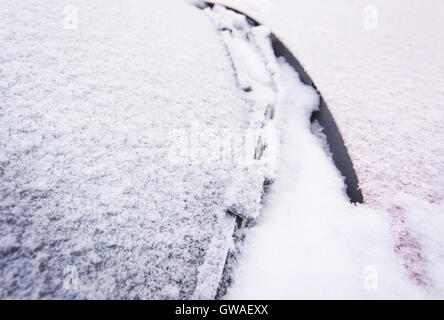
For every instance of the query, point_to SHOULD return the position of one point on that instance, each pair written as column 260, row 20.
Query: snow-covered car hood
column 94, row 201
column 139, row 141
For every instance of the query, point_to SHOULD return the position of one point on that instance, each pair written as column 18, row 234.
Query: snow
column 128, row 130
column 253, row 66
column 331, row 243
column 91, row 206
column 311, row 243
column 387, row 69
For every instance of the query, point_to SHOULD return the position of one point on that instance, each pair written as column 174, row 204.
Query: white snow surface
column 112, row 186
column 254, row 65
column 383, row 85
column 92, row 205
column 311, row 243
column 384, row 88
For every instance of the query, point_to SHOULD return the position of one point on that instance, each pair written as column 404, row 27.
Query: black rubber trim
column 339, row 152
